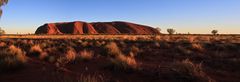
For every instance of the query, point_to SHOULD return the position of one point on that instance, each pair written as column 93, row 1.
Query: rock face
column 79, row 27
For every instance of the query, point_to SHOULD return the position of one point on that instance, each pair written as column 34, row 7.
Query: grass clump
column 197, row 46
column 11, row 58
column 124, row 62
column 118, row 59
column 62, row 77
column 37, row 51
column 91, row 78
column 190, row 72
column 86, row 55
column 2, row 44
column 68, row 57
column 113, row 49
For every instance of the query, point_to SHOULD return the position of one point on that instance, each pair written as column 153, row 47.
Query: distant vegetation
column 171, row 31
column 2, row 31
column 2, row 3
column 159, row 29
column 214, row 32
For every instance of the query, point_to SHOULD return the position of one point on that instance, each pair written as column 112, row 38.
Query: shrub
column 85, row 55
column 113, row 49
column 124, row 62
column 37, row 51
column 188, row 71
column 70, row 54
column 171, row 31
column 91, row 78
column 63, row 77
column 84, row 44
column 214, row 32
column 118, row 59
column 197, row 46
column 159, row 29
column 183, row 50
column 2, row 44
column 191, row 39
column 12, row 58
column 2, row 31
column 135, row 49
column 98, row 43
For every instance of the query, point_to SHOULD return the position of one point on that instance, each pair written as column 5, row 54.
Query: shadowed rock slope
column 80, row 27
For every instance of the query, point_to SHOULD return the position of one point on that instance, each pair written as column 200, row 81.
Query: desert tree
column 159, row 29
column 2, row 3
column 171, row 31
column 2, row 31
column 214, row 32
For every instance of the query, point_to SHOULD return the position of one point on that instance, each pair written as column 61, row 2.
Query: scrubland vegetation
column 120, row 58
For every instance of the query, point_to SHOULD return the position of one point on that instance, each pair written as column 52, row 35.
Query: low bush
column 113, row 49
column 11, row 58
column 85, row 55
column 189, row 72
column 122, row 62
column 37, row 51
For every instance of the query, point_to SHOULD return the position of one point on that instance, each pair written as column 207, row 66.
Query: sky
column 193, row 16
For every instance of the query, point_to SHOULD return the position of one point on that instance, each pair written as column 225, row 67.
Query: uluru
column 79, row 27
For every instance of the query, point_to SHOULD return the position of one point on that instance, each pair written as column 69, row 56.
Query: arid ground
column 119, row 58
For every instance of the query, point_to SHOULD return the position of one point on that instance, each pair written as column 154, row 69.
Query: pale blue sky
column 194, row 16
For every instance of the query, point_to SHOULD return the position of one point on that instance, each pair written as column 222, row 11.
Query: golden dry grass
column 125, row 62
column 11, row 58
column 113, row 49
column 2, row 44
column 193, row 72
column 37, row 51
column 86, row 55
column 118, row 59
column 70, row 54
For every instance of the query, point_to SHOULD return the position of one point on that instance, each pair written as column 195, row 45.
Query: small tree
column 2, row 3
column 214, row 32
column 2, row 31
column 171, row 31
column 159, row 29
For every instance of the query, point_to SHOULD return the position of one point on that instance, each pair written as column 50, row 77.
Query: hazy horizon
column 196, row 17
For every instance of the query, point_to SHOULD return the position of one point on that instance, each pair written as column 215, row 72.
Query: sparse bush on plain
column 214, row 32
column 135, row 49
column 11, row 58
column 1, row 30
column 124, row 62
column 70, row 54
column 171, row 31
column 189, row 71
column 84, row 44
column 85, row 55
column 2, row 44
column 118, row 59
column 191, row 39
column 159, row 29
column 37, row 51
column 61, row 77
column 197, row 46
column 91, row 78
column 113, row 49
